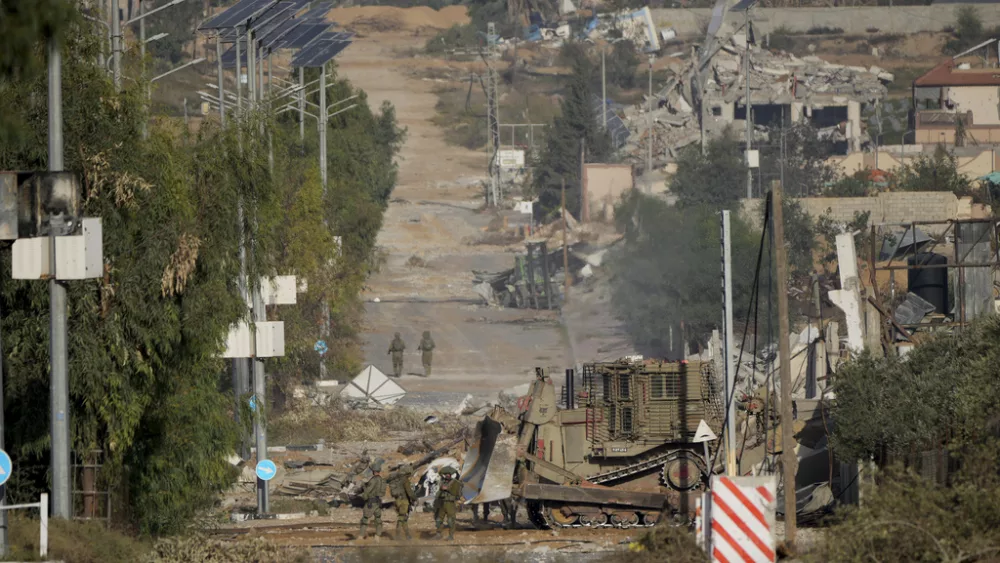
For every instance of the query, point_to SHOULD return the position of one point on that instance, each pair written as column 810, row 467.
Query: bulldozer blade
column 488, row 471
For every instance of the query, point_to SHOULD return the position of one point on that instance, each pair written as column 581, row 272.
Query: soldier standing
column 446, row 503
column 402, row 493
column 371, row 494
column 427, row 352
column 396, row 349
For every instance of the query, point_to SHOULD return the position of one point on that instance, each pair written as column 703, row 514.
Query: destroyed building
column 783, row 88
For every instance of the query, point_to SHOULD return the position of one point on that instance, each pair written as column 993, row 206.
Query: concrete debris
column 804, row 88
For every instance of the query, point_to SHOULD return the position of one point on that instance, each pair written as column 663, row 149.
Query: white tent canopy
column 372, row 388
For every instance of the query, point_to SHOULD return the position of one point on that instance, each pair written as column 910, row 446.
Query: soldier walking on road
column 396, row 349
column 402, row 492
column 446, row 503
column 371, row 494
column 427, row 352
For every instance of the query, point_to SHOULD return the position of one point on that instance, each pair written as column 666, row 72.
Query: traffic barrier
column 739, row 517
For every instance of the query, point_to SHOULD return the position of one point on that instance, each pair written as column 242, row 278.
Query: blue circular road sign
column 320, row 347
column 266, row 469
column 5, row 467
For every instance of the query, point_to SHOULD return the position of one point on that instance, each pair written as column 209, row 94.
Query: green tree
column 178, row 21
column 667, row 271
column 935, row 173
column 147, row 386
column 621, row 64
column 803, row 162
column 716, row 178
column 941, row 394
column 968, row 30
column 560, row 159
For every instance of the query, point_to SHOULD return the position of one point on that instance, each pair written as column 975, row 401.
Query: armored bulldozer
column 605, row 462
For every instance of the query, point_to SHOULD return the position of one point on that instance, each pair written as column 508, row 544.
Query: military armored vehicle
column 608, row 461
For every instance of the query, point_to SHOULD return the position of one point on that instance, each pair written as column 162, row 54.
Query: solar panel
column 276, row 36
column 229, row 58
column 304, row 34
column 322, row 50
column 617, row 129
column 238, row 14
column 267, row 21
column 318, row 11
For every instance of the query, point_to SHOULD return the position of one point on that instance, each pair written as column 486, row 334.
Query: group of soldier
column 397, row 347
column 404, row 496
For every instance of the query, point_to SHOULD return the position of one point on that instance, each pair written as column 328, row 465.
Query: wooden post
column 789, row 461
column 566, row 278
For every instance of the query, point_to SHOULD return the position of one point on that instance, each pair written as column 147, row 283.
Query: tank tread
column 654, row 461
column 623, row 519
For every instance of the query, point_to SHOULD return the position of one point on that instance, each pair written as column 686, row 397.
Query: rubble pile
column 776, row 78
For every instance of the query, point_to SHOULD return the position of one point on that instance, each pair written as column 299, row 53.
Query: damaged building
column 783, row 88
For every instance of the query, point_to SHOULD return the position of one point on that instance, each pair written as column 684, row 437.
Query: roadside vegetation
column 147, row 386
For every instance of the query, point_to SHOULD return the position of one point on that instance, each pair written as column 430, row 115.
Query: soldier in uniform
column 402, row 492
column 371, row 494
column 396, row 350
column 446, row 503
column 426, row 348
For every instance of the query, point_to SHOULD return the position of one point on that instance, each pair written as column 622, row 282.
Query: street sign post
column 266, row 470
column 5, row 467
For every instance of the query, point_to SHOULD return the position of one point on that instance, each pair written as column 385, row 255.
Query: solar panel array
column 304, row 34
column 322, row 50
column 238, row 14
column 276, row 26
column 617, row 129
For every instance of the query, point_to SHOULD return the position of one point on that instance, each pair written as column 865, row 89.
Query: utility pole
column 604, row 93
column 749, row 119
column 116, row 45
column 142, row 57
column 649, row 125
column 565, row 246
column 788, row 460
column 222, row 83
column 322, row 125
column 260, row 394
column 58, row 350
column 239, row 73
column 302, row 104
column 729, row 345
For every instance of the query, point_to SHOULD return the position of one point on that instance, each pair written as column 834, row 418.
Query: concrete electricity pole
column 749, row 119
column 788, row 460
column 649, row 124
column 116, row 44
column 728, row 346
column 604, row 92
column 58, row 351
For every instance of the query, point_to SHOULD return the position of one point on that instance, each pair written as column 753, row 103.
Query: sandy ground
column 435, row 213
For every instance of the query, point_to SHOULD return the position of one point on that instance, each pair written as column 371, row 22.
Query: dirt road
column 426, row 281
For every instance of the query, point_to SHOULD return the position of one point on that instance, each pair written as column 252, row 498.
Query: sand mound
column 388, row 17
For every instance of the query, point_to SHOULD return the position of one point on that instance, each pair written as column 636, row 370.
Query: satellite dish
column 704, row 433
column 372, row 388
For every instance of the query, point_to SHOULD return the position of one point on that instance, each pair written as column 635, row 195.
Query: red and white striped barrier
column 739, row 517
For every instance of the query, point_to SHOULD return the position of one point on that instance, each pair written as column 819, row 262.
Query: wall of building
column 604, row 185
column 982, row 101
column 890, row 158
column 899, row 19
column 889, row 207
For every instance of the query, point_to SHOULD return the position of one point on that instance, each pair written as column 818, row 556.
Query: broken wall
column 889, row 158
column 888, row 207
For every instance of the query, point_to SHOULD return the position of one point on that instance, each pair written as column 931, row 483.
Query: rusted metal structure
column 951, row 275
